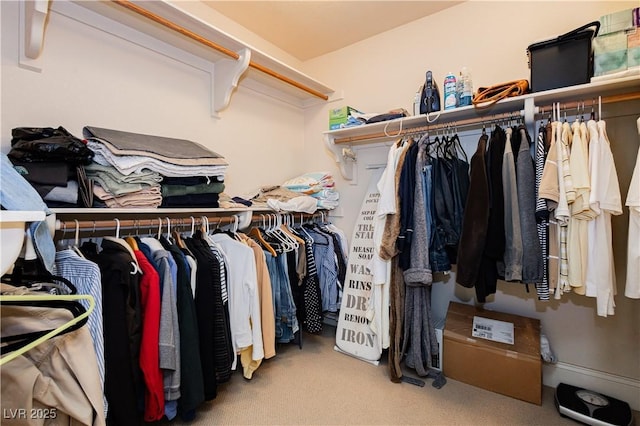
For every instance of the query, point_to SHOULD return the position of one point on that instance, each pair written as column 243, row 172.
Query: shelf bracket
column 33, row 20
column 345, row 157
column 224, row 79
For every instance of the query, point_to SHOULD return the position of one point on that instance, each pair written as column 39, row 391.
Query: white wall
column 90, row 77
column 221, row 22
column 491, row 38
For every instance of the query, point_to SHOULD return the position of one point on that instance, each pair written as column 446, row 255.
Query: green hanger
column 54, row 332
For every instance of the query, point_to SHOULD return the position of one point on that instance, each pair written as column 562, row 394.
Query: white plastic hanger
column 76, row 241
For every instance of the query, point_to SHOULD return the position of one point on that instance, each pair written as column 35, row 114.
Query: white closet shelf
column 167, row 28
column 343, row 142
column 12, row 232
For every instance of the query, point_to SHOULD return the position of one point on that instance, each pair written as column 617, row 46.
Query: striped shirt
column 85, row 276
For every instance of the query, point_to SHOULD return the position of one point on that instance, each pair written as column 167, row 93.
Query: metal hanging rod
column 111, row 224
column 188, row 33
column 591, row 101
column 65, row 227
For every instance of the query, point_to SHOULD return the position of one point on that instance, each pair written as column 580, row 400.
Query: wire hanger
column 28, row 299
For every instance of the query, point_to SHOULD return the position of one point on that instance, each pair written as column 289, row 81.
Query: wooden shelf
column 343, row 142
column 178, row 34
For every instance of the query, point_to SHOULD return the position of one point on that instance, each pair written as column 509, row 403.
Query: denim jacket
column 16, row 193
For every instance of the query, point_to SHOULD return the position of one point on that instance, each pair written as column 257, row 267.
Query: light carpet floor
column 316, row 385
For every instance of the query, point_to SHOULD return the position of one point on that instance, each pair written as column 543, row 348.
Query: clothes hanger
column 178, row 237
column 169, row 235
column 132, row 242
column 17, row 278
column 134, row 262
column 16, row 342
column 286, row 227
column 302, row 229
column 76, row 242
column 281, row 245
column 289, row 241
column 74, row 323
column 256, row 234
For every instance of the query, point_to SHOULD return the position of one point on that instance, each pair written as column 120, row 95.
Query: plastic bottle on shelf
column 416, row 102
column 450, row 91
column 459, row 89
column 467, row 87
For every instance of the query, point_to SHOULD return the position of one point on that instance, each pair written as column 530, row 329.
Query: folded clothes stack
column 53, row 162
column 137, row 170
column 319, row 185
column 192, row 191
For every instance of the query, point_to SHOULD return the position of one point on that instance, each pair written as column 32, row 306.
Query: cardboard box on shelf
column 339, row 116
column 514, row 369
column 616, row 21
column 633, row 48
column 610, row 53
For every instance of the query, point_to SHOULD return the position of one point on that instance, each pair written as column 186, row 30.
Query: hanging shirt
column 605, row 200
column 244, row 303
column 378, row 312
column 267, row 316
column 85, row 275
column 531, row 253
column 580, row 212
column 149, row 343
column 632, row 288
column 513, row 235
column 550, row 193
column 169, row 328
column 542, row 214
column 562, row 213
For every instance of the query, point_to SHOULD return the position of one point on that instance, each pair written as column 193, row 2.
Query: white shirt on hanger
column 632, row 288
column 244, row 304
column 605, row 200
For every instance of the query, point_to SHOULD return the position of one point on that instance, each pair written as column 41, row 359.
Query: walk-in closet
column 188, row 237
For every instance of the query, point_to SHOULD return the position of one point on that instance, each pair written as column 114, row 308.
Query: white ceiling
column 306, row 29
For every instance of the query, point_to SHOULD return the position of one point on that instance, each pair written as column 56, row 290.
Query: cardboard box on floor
column 512, row 370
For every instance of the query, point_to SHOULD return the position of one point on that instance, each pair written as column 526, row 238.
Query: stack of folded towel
column 319, row 185
column 137, row 170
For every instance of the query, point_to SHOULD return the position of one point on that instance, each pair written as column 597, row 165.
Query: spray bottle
column 450, row 98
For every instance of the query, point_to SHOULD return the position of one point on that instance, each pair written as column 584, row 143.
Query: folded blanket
column 310, row 183
column 146, row 198
column 116, row 183
column 303, row 203
column 174, row 151
column 128, row 164
column 327, row 194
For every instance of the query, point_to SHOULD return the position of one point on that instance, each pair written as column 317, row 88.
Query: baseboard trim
column 622, row 388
